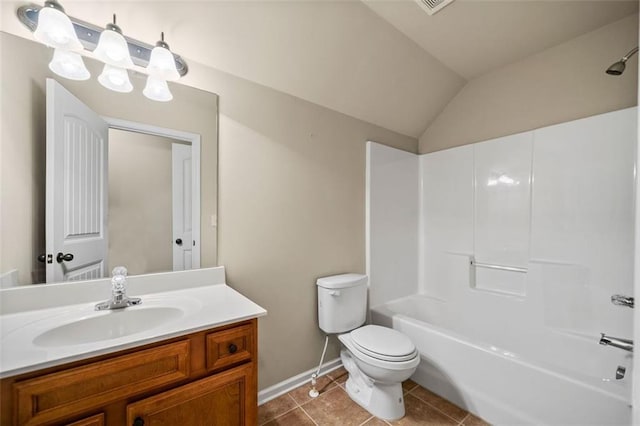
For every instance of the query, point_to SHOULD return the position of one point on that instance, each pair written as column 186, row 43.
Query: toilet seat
column 392, row 363
column 383, row 343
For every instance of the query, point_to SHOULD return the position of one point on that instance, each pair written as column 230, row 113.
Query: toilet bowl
column 378, row 360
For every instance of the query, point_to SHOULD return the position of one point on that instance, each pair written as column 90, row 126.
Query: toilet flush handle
column 335, row 293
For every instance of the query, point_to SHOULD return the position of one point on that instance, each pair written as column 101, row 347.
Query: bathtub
column 507, row 376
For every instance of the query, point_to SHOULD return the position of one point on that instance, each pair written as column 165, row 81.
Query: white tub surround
column 187, row 302
column 392, row 214
column 523, row 241
column 498, row 383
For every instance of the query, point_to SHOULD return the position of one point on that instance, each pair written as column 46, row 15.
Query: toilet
column 377, row 358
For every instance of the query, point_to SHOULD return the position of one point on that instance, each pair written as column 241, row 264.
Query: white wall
column 392, row 220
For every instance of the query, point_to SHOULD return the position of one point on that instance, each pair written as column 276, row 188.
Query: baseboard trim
column 285, row 386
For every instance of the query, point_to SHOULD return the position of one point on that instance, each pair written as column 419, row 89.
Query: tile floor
column 334, row 407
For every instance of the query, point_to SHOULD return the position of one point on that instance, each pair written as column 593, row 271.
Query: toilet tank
column 342, row 302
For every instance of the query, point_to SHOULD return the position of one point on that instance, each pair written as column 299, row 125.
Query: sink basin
column 108, row 325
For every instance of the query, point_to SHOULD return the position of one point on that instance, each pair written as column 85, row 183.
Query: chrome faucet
column 119, row 297
column 621, row 300
column 616, row 342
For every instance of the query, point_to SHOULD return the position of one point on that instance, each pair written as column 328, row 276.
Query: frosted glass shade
column 113, row 49
column 69, row 65
column 162, row 64
column 56, row 30
column 116, row 79
column 157, row 90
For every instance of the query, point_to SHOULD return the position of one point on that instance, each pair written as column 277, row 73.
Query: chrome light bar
column 89, row 34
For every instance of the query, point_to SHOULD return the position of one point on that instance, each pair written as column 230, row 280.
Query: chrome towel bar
column 499, row 267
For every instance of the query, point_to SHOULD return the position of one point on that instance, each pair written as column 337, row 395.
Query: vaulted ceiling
column 472, row 37
column 385, row 62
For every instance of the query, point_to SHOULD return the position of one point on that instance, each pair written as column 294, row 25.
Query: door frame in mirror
column 194, row 140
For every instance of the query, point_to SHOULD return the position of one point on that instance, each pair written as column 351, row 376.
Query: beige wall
column 140, row 202
column 338, row 54
column 291, row 203
column 291, row 209
column 562, row 83
column 23, row 67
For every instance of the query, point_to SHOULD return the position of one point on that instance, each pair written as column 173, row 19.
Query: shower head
column 618, row 67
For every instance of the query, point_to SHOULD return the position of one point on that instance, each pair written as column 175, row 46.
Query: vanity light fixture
column 69, row 65
column 116, row 79
column 112, row 47
column 161, row 64
column 161, row 68
column 51, row 26
column 54, row 28
column 114, row 52
column 157, row 90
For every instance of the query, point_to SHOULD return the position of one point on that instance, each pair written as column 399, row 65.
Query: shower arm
column 632, row 52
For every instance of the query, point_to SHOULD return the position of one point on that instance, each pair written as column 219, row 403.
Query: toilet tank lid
column 342, row 281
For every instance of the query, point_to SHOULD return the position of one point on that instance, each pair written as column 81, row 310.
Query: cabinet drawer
column 58, row 395
column 227, row 347
column 97, row 420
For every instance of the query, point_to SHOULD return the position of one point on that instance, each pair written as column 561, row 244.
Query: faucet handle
column 622, row 300
column 118, row 283
column 119, row 270
column 119, row 279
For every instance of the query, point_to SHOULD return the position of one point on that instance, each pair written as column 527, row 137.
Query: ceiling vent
column 433, row 6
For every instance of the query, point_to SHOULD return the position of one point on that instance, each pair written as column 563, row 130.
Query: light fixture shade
column 162, row 64
column 157, row 90
column 112, row 49
column 69, row 65
column 116, row 79
column 56, row 30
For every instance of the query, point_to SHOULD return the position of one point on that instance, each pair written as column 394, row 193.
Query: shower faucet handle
column 621, row 300
column 616, row 342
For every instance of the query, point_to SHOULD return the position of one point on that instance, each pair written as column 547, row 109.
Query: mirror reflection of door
column 144, row 221
column 76, row 188
column 182, row 193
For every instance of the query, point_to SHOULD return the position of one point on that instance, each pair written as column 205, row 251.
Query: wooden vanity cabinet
column 204, row 378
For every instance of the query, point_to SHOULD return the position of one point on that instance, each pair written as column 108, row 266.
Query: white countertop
column 201, row 307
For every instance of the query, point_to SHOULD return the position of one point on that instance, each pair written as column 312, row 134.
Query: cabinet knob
column 233, row 348
column 138, row 421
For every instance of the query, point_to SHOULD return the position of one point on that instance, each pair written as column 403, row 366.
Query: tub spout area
column 616, row 342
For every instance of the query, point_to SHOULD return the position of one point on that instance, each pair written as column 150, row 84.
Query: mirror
column 24, row 68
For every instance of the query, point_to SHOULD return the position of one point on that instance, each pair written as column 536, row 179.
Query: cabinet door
column 224, row 399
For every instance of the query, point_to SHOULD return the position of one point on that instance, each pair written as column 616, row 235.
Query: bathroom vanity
column 197, row 368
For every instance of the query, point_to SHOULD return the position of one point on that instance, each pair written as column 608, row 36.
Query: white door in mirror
column 182, row 193
column 76, row 188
